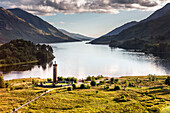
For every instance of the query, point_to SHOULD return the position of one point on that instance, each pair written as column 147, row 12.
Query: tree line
column 19, row 50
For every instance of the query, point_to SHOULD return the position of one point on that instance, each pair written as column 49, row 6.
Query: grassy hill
column 142, row 94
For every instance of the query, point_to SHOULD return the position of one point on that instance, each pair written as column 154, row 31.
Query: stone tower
column 55, row 73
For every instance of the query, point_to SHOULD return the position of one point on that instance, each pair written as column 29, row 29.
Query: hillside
column 132, row 30
column 13, row 27
column 40, row 24
column 140, row 94
column 105, row 39
column 75, row 36
column 153, row 31
column 161, row 12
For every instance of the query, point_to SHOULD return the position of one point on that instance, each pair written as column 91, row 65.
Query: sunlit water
column 81, row 60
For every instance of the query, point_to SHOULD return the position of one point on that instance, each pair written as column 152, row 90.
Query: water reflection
column 81, row 60
column 25, row 67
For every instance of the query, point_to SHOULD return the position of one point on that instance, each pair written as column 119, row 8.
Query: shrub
column 147, row 92
column 2, row 84
column 123, row 96
column 12, row 88
column 112, row 80
column 69, row 89
column 75, row 80
column 167, row 81
column 7, row 84
column 97, row 91
column 41, row 83
column 74, row 86
column 88, row 86
column 49, row 79
column 93, row 83
column 162, row 100
column 23, row 81
column 155, row 110
column 116, row 80
column 106, row 87
column 82, row 86
column 125, row 82
column 99, row 77
column 89, row 78
column 93, row 78
column 153, row 97
column 117, row 87
column 34, row 82
column 101, row 83
column 83, row 81
column 131, row 84
column 60, row 78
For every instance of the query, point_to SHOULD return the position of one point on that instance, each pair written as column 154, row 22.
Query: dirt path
column 32, row 100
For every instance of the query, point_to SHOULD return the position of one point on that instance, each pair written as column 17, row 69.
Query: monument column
column 55, row 73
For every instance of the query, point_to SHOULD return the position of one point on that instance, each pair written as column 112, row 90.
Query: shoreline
column 30, row 62
column 121, row 77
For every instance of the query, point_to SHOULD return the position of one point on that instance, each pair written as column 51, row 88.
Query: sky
column 92, row 18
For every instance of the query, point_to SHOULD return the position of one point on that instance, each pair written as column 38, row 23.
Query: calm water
column 80, row 60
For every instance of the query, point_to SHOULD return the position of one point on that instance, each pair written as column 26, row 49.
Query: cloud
column 51, row 7
column 61, row 22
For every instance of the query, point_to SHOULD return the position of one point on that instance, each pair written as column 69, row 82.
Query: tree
column 93, row 83
column 2, row 84
column 167, row 81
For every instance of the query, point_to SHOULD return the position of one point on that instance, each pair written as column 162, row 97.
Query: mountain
column 13, row 27
column 75, row 36
column 41, row 25
column 161, row 12
column 153, row 31
column 105, row 39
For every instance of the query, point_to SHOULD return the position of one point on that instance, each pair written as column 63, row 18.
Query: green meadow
column 142, row 94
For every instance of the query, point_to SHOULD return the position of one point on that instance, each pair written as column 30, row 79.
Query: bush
column 93, row 83
column 2, row 84
column 116, row 80
column 155, row 110
column 167, row 81
column 69, row 89
column 88, row 86
column 89, row 78
column 97, row 92
column 101, row 83
column 34, row 82
column 123, row 96
column 162, row 100
column 131, row 84
column 12, row 88
column 60, row 78
column 49, row 79
column 106, row 87
column 23, row 80
column 147, row 92
column 82, row 86
column 74, row 86
column 117, row 87
column 7, row 84
column 112, row 80
column 153, row 97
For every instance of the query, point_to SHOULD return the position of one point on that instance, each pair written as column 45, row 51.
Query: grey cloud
column 47, row 7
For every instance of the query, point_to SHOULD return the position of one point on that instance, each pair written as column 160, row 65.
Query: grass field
column 144, row 97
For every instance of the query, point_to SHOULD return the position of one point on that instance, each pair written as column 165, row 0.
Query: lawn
column 144, row 97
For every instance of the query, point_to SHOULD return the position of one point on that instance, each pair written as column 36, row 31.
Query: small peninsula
column 21, row 52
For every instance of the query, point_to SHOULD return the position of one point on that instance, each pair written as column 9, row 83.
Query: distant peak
column 16, row 9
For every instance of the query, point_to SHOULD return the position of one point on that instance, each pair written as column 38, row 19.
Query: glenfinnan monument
column 55, row 72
